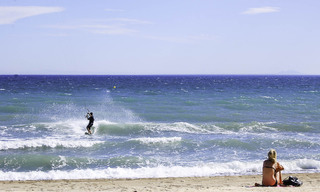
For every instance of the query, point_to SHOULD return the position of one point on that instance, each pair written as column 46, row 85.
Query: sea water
column 156, row 126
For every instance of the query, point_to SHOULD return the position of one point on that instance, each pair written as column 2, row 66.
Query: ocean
column 156, row 126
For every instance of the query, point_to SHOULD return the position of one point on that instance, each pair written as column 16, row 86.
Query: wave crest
column 46, row 142
column 162, row 140
column 160, row 171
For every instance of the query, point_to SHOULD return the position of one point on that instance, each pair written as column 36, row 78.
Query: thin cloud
column 114, row 31
column 9, row 15
column 260, row 10
column 97, row 29
column 112, row 26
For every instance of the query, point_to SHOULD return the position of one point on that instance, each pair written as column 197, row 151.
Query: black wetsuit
column 91, row 120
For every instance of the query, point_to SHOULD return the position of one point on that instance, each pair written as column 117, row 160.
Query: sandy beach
column 219, row 183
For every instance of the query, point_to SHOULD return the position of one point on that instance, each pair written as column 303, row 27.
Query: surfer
column 271, row 175
column 91, row 120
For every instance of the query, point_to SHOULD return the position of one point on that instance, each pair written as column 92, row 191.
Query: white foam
column 117, row 173
column 46, row 142
column 163, row 140
column 258, row 126
column 302, row 164
column 183, row 127
column 200, row 170
column 105, row 122
column 70, row 127
column 73, row 127
column 190, row 128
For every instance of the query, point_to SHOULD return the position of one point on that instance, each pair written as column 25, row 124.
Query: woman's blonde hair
column 272, row 155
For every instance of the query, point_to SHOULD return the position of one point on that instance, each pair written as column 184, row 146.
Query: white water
column 47, row 142
column 209, row 169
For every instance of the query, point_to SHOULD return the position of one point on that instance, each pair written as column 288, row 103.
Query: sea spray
column 156, row 126
column 210, row 169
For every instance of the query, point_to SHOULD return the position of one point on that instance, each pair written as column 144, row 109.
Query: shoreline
column 214, row 183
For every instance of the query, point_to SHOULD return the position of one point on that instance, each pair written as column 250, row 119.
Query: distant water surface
column 156, row 126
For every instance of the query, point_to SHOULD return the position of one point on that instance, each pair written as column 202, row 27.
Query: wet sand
column 218, row 183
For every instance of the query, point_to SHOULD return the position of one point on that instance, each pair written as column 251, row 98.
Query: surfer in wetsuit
column 91, row 120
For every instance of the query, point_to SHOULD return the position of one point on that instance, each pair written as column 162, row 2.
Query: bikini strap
column 269, row 167
column 275, row 171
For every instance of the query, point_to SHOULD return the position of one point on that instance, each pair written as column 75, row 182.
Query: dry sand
column 311, row 182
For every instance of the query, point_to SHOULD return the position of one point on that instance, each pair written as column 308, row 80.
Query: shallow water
column 156, row 126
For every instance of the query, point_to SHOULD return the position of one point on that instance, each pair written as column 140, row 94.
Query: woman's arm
column 279, row 167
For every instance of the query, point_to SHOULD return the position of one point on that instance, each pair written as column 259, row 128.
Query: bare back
column 271, row 173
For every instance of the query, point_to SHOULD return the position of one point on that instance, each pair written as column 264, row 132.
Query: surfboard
column 92, row 131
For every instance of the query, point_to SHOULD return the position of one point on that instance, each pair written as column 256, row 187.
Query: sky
column 147, row 37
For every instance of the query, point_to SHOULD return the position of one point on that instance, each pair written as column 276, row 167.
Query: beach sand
column 218, row 183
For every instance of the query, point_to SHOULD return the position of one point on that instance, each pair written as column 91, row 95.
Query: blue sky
column 159, row 37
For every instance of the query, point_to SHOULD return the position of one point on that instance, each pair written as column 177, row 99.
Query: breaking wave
column 160, row 171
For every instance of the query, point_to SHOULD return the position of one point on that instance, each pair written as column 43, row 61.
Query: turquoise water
column 156, row 126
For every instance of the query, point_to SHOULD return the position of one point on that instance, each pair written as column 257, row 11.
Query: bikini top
column 275, row 171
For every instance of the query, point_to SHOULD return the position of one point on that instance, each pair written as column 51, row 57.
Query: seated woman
column 271, row 173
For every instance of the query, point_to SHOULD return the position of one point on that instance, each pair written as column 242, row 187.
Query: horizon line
column 159, row 74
